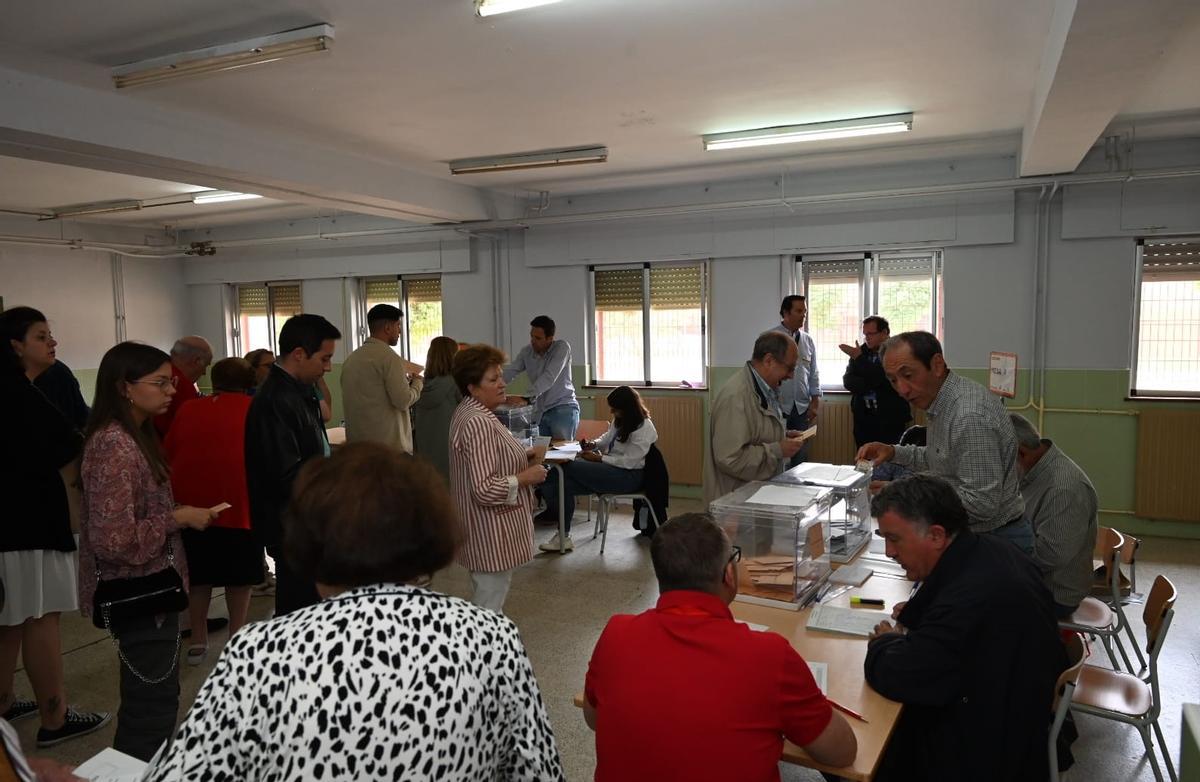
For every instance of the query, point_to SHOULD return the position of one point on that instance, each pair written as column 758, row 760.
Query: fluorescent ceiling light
column 816, row 131
column 220, row 196
column 543, row 159
column 224, row 57
column 493, row 7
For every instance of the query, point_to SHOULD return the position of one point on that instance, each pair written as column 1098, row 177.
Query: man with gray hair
column 970, row 441
column 726, row 697
column 190, row 357
column 749, row 440
column 1061, row 503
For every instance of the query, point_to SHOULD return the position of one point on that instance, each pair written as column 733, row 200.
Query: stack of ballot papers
column 851, row 621
column 773, row 572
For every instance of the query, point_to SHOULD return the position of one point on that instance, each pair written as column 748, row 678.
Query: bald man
column 190, row 357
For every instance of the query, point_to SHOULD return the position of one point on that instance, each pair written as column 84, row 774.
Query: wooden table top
column 844, row 655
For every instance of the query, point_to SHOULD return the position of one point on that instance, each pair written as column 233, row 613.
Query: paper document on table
column 756, row 627
column 853, row 575
column 820, row 672
column 851, row 621
column 830, row 473
column 109, row 765
column 568, row 447
column 561, row 455
column 789, row 496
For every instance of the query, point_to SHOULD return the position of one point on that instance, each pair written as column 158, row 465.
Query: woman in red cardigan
column 206, row 450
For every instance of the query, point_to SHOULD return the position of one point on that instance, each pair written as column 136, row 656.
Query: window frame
column 870, row 264
column 590, row 338
column 1135, row 327
column 402, row 280
column 240, row 347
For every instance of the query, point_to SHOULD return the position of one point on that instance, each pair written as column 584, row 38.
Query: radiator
column 680, row 424
column 834, row 443
column 1165, row 479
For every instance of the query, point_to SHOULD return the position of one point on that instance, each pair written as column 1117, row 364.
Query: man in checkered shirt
column 971, row 442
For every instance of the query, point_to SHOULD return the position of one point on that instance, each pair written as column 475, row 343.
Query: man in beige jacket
column 378, row 386
column 749, row 441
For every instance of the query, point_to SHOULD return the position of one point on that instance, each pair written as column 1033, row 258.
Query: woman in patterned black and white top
column 492, row 476
column 380, row 680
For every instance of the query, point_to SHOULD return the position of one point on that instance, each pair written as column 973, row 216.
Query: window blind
column 618, row 289
column 1177, row 259
column 285, row 302
column 252, row 301
column 381, row 292
column 676, row 287
column 423, row 290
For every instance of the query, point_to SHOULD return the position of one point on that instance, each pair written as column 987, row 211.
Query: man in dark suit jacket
column 880, row 414
column 974, row 654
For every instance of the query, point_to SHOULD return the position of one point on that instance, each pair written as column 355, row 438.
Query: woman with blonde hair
column 435, row 407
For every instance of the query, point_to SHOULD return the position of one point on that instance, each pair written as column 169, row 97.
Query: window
column 841, row 290
column 420, row 298
column 261, row 312
column 648, row 325
column 1167, row 361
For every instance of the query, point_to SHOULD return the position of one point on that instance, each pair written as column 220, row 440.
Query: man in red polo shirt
column 683, row 692
column 190, row 357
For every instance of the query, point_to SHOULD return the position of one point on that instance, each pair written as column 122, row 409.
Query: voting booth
column 784, row 535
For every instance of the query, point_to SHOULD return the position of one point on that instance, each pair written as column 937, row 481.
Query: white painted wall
column 745, row 302
column 74, row 290
column 156, row 308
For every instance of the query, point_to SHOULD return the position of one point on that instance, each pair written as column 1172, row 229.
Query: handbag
column 119, row 599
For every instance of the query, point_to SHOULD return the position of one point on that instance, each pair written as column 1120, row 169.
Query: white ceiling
column 419, row 82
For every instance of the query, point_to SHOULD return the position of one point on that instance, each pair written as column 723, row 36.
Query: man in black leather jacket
column 283, row 431
column 880, row 414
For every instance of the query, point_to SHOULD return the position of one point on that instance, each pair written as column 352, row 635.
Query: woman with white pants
column 491, row 477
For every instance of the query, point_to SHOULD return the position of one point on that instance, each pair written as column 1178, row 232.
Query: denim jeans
column 1019, row 532
column 559, row 422
column 583, row 477
column 798, row 422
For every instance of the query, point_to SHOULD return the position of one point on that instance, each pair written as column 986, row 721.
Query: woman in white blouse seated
column 381, row 679
column 612, row 464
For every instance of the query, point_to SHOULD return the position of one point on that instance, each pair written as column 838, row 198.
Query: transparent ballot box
column 850, row 515
column 783, row 531
column 519, row 421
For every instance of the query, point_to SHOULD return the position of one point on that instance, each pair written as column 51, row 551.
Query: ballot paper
column 756, row 627
column 562, row 454
column 109, row 765
column 787, row 496
column 851, row 621
column 820, row 672
column 829, row 473
column 568, row 447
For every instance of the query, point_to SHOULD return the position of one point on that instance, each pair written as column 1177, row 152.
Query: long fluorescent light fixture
column 523, row 160
column 816, row 131
column 221, row 196
column 493, row 7
column 225, row 57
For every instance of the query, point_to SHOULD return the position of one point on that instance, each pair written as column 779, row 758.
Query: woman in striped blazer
column 491, row 478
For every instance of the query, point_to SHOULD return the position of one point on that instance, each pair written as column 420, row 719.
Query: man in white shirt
column 799, row 395
column 379, row 387
column 547, row 362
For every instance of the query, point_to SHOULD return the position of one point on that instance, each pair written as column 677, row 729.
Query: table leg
column 562, row 519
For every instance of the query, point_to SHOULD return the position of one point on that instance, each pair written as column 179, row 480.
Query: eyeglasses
column 736, row 556
column 870, row 333
column 162, row 382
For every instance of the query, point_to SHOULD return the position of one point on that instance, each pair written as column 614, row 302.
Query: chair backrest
column 591, row 429
column 1108, row 546
column 1129, row 557
column 1077, row 656
column 1158, row 604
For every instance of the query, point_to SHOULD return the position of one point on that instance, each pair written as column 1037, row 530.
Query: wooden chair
column 1101, row 585
column 1127, row 698
column 1064, row 690
column 1096, row 618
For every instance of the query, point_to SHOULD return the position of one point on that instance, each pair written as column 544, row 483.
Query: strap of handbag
column 116, row 643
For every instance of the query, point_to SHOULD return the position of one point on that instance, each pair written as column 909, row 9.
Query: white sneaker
column 552, row 544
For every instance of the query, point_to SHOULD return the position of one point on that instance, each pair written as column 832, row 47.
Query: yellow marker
column 874, row 602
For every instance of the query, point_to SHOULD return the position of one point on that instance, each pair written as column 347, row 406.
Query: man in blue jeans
column 547, row 362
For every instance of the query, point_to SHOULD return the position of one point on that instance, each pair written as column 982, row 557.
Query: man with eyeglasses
column 190, row 357
column 749, row 439
column 684, row 692
column 880, row 415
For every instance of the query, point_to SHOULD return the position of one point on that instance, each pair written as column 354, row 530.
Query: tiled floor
column 561, row 604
